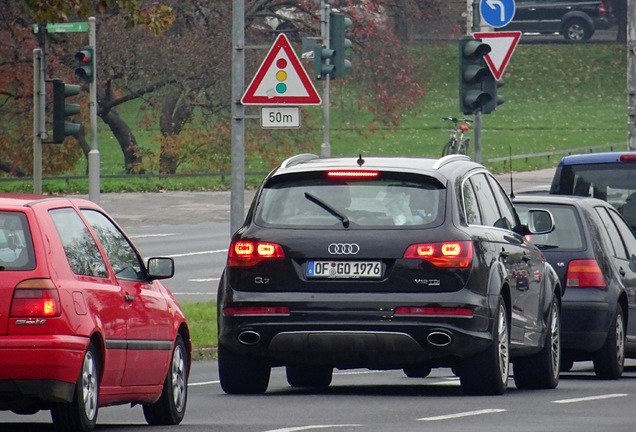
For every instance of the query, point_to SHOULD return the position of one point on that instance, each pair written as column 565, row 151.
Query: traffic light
column 338, row 25
column 61, row 110
column 84, row 68
column 490, row 86
column 323, row 61
column 473, row 72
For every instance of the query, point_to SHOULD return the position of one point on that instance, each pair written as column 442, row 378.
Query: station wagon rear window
column 390, row 200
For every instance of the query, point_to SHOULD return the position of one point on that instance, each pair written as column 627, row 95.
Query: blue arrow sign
column 497, row 13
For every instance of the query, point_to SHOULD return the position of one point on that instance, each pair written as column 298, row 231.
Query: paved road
column 187, row 208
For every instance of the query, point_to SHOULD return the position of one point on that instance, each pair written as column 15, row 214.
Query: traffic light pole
column 477, row 119
column 39, row 126
column 325, row 148
column 93, row 154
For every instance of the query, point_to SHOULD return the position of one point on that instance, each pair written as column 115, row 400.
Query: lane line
column 197, row 253
column 308, row 427
column 136, row 236
column 590, row 398
column 463, row 414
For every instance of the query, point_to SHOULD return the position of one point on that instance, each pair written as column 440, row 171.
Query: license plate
column 344, row 269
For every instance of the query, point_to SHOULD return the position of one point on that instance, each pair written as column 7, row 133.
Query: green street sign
column 76, row 27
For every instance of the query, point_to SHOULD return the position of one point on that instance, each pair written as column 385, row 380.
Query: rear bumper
column 584, row 325
column 350, row 331
column 39, row 368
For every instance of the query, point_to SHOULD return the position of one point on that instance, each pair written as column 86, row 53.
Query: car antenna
column 360, row 160
column 512, row 192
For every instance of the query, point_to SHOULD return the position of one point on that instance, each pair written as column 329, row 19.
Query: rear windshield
column 389, row 201
column 16, row 248
column 567, row 234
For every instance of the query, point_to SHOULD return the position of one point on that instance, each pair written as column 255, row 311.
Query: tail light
column 353, row 174
column 256, row 311
column 585, row 274
column 433, row 311
column 601, row 9
column 244, row 253
column 36, row 298
column 628, row 157
column 443, row 254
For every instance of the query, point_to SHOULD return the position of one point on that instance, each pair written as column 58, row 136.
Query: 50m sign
column 280, row 117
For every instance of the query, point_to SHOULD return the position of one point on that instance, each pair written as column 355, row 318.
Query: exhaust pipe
column 249, row 337
column 439, row 338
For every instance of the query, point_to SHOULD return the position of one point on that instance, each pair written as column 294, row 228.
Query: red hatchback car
column 84, row 323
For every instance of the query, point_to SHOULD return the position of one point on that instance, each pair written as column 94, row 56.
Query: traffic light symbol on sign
column 338, row 25
column 85, row 65
column 61, row 110
column 473, row 74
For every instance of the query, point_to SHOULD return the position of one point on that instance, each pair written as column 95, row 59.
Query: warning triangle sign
column 502, row 46
column 281, row 79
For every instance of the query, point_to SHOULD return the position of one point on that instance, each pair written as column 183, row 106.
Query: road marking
column 590, row 398
column 192, row 293
column 463, row 414
column 198, row 253
column 203, row 383
column 136, row 236
column 204, row 279
column 308, row 427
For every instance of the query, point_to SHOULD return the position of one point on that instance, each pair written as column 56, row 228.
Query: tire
column 80, row 415
column 541, row 370
column 417, row 371
column 577, row 30
column 241, row 374
column 609, row 361
column 309, row 376
column 463, row 146
column 487, row 373
column 171, row 406
column 448, row 149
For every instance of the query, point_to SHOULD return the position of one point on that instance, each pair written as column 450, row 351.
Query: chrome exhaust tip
column 439, row 338
column 249, row 337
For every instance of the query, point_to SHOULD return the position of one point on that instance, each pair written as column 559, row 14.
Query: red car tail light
column 433, row 310
column 585, row 274
column 37, row 298
column 244, row 253
column 443, row 254
column 255, row 310
column 601, row 9
column 628, row 157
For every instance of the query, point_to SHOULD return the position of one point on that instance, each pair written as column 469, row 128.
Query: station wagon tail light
column 433, row 311
column 352, row 174
column 37, row 298
column 244, row 253
column 585, row 274
column 443, row 254
column 256, row 310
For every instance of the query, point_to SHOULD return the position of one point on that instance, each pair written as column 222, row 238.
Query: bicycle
column 455, row 144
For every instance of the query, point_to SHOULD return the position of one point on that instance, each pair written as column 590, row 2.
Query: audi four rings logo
column 343, row 248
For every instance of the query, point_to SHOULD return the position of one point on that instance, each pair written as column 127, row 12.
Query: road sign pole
column 325, row 147
column 237, row 191
column 38, row 113
column 631, row 76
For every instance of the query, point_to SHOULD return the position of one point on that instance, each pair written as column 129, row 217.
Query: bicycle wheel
column 449, row 148
column 463, row 146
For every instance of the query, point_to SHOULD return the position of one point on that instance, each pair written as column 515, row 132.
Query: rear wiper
column 546, row 246
column 343, row 218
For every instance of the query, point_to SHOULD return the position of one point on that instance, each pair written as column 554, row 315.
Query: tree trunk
column 126, row 140
column 174, row 114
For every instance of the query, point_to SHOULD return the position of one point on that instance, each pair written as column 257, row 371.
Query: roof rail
column 299, row 158
column 449, row 159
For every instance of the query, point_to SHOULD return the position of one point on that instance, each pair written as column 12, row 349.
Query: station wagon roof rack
column 449, row 159
column 299, row 158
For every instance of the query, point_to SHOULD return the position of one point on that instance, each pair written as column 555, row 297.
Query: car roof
column 436, row 167
column 559, row 199
column 604, row 157
column 8, row 200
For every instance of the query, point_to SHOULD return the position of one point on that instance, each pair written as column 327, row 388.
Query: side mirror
column 160, row 268
column 540, row 221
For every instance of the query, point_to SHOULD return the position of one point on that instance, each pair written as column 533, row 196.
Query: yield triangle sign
column 281, row 79
column 502, row 46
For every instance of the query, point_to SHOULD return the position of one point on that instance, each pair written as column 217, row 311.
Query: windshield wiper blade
column 343, row 218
